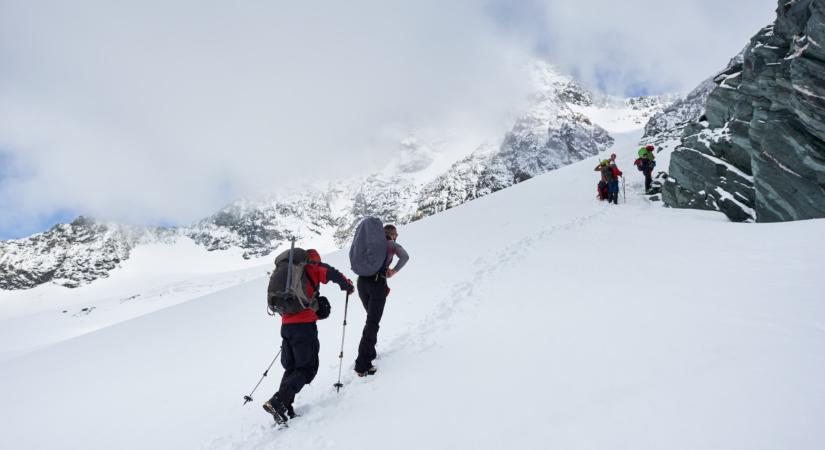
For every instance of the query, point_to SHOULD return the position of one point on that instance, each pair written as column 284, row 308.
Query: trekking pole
column 248, row 398
column 289, row 269
column 624, row 191
column 338, row 385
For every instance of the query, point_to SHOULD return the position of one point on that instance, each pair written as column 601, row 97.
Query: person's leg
column 278, row 404
column 363, row 291
column 614, row 192
column 311, row 367
column 304, row 346
column 375, row 310
column 287, row 361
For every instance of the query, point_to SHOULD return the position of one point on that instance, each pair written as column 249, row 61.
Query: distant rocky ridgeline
column 758, row 152
column 547, row 136
column 71, row 254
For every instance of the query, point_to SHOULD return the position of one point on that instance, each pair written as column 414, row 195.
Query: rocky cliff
column 758, row 154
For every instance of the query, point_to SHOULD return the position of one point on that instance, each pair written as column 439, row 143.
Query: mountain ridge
column 553, row 132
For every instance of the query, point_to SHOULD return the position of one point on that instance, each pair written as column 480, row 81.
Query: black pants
column 299, row 357
column 648, row 179
column 373, row 294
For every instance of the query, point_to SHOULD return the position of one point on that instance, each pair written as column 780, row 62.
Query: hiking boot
column 279, row 412
column 370, row 371
column 290, row 411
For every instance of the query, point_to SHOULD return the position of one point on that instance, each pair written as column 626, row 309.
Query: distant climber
column 299, row 333
column 645, row 163
column 611, row 175
column 372, row 281
column 601, row 188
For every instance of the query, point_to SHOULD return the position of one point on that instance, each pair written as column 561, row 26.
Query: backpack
column 369, row 247
column 287, row 291
column 643, row 152
column 607, row 174
column 644, row 164
column 602, row 188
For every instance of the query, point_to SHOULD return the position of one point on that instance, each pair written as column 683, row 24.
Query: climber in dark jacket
column 646, row 162
column 373, row 291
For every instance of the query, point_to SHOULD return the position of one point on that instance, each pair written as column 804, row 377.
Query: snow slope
column 157, row 276
column 534, row 317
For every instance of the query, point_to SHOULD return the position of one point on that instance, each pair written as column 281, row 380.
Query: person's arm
column 402, row 255
column 332, row 274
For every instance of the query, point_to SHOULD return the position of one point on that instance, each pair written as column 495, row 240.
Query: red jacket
column 317, row 274
column 616, row 172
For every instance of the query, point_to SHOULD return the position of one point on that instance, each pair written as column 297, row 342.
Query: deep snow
column 535, row 317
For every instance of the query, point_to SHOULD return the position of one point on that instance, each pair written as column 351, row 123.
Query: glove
column 350, row 289
column 324, row 308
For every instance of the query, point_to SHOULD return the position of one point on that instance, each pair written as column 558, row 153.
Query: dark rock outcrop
column 760, row 152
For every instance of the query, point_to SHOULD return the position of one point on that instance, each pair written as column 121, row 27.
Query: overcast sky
column 163, row 111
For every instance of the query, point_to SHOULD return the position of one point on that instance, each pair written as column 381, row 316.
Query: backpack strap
column 315, row 287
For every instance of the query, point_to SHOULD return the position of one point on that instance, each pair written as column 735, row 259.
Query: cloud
column 161, row 111
column 165, row 111
column 653, row 45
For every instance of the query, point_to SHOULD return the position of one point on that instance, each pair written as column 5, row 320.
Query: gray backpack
column 369, row 247
column 287, row 291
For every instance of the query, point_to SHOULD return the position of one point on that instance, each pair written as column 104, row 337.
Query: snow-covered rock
column 669, row 125
column 259, row 227
column 71, row 254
